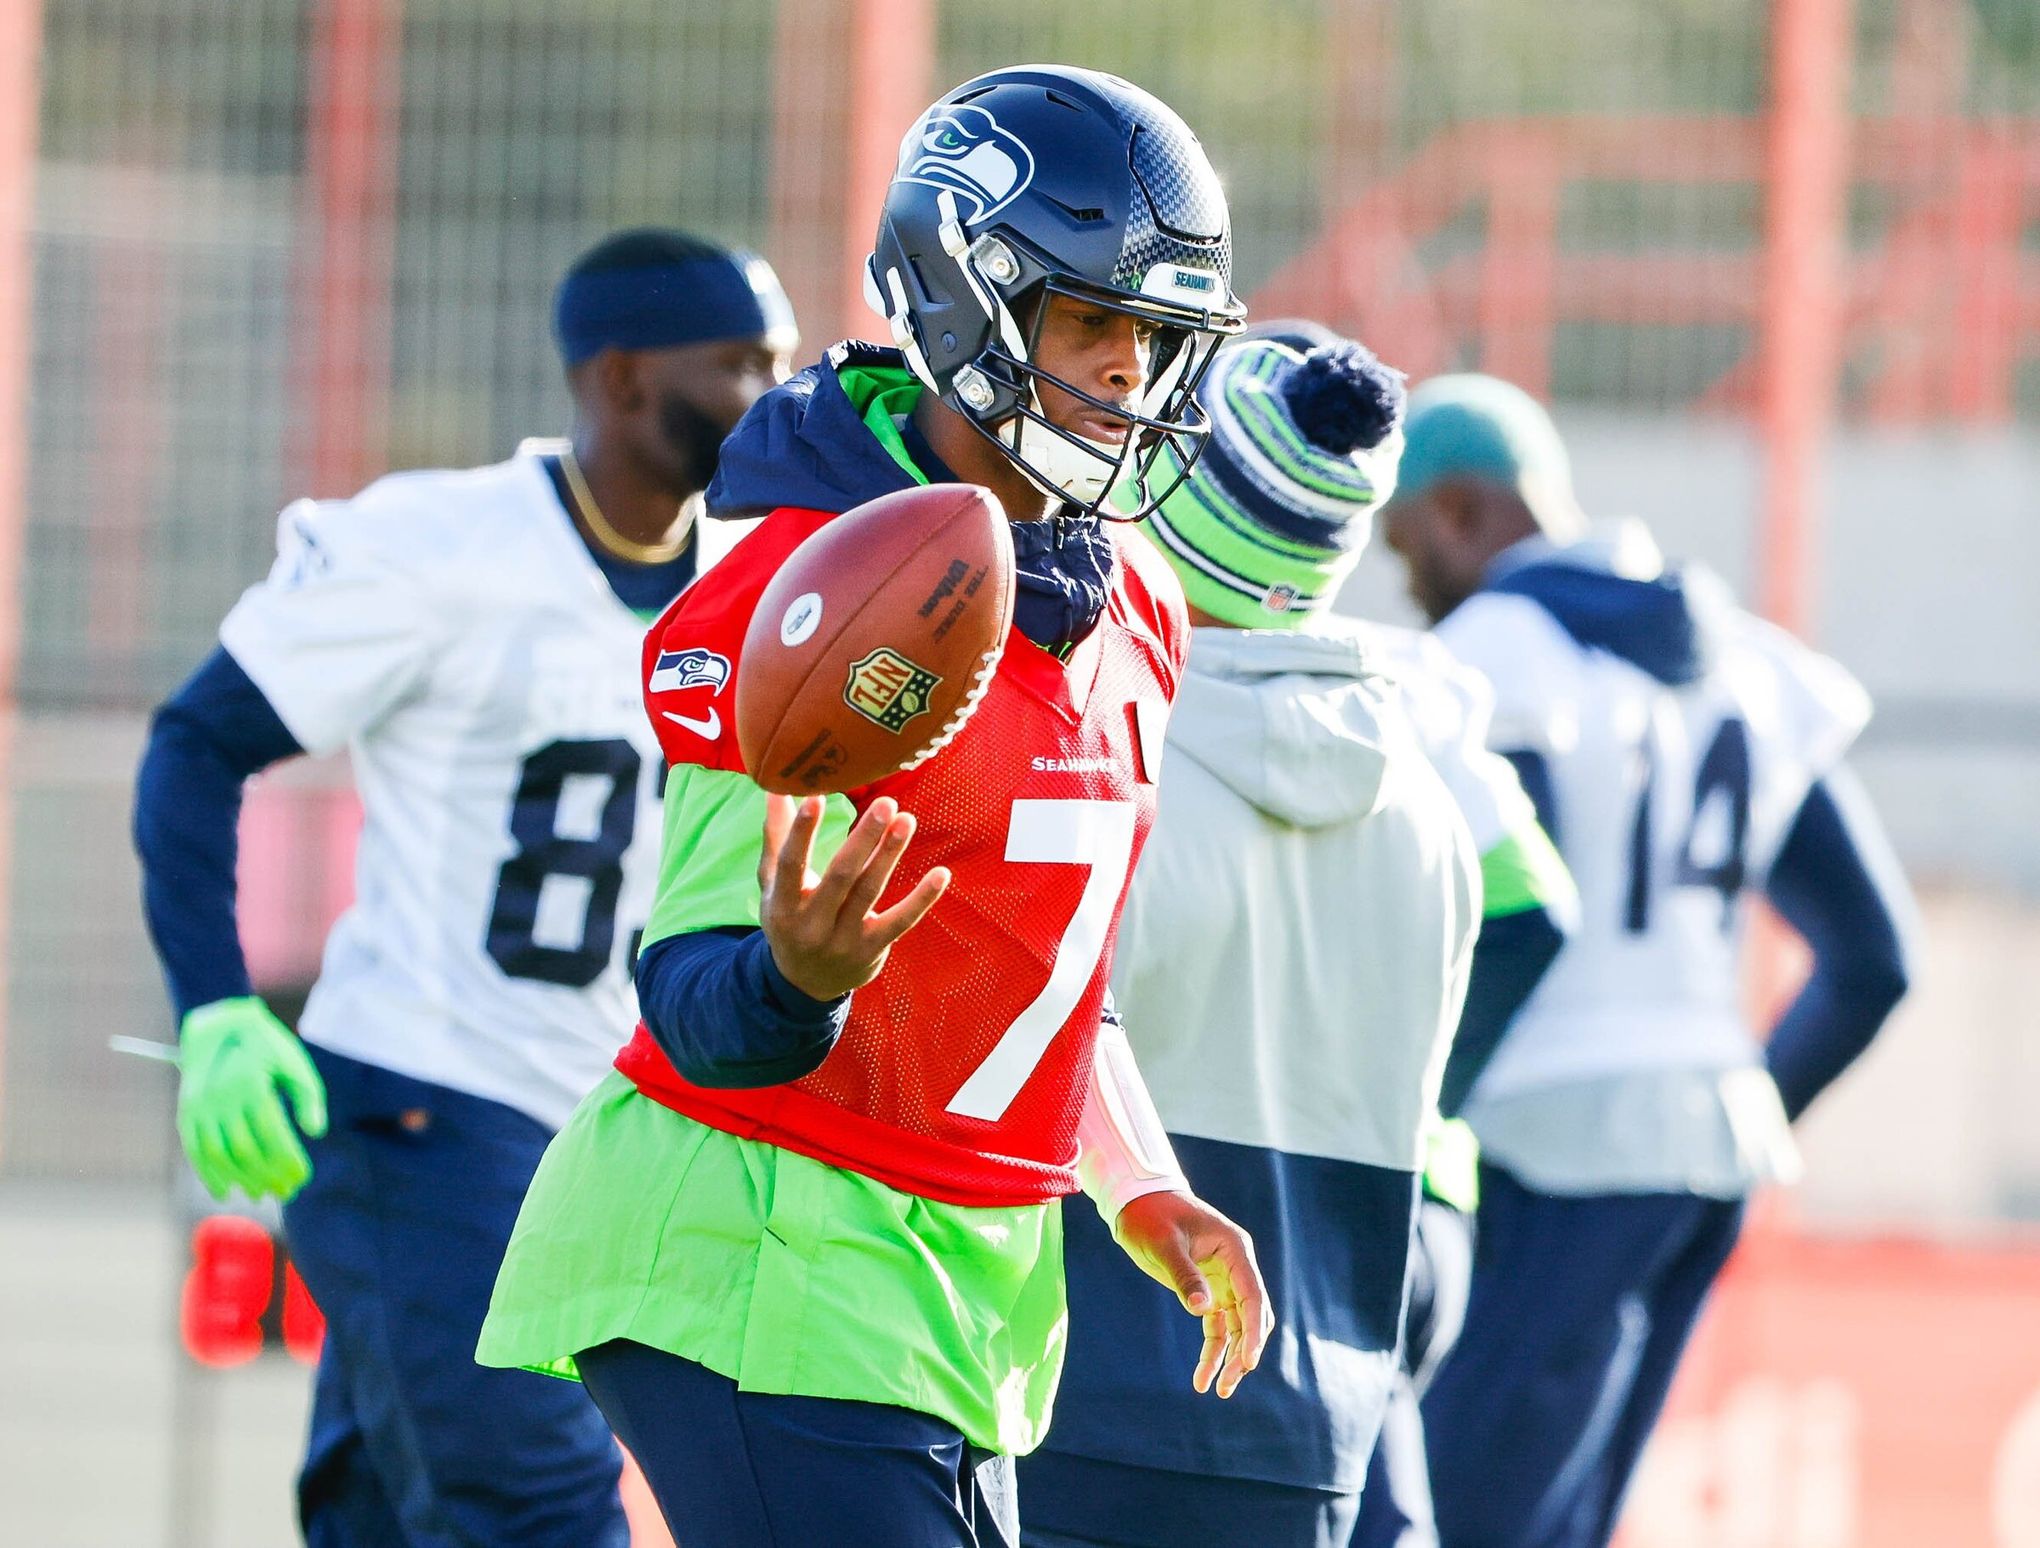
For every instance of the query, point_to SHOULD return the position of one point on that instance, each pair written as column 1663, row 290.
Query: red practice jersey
column 963, row 1065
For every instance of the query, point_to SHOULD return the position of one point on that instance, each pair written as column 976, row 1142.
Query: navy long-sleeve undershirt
column 1837, row 883
column 717, row 1004
column 204, row 743
column 1509, row 957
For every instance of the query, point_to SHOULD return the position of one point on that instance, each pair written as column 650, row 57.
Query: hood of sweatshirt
column 1613, row 591
column 1292, row 722
column 806, row 443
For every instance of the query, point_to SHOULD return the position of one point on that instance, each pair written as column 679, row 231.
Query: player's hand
column 823, row 931
column 233, row 1055
column 1208, row 1261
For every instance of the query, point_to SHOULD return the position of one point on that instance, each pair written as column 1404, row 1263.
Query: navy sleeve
column 204, row 743
column 1535, row 775
column 1509, row 956
column 1837, row 883
column 718, row 1005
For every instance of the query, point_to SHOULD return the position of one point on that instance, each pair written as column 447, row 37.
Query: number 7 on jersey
column 1094, row 833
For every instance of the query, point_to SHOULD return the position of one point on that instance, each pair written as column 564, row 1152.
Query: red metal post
column 849, row 76
column 1519, row 267
column 1800, row 306
column 1989, row 213
column 892, row 56
column 343, row 305
column 20, row 61
column 1800, row 314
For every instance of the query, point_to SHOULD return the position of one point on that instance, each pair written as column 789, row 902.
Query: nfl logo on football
column 888, row 688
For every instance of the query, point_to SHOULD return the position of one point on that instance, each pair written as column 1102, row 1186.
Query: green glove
column 1452, row 1164
column 233, row 1055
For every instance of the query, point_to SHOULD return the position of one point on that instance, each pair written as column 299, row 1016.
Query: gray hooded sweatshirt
column 1290, row 968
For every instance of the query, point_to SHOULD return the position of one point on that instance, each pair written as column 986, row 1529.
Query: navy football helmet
column 1040, row 180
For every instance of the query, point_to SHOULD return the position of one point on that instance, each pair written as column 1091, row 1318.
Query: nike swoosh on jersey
column 709, row 725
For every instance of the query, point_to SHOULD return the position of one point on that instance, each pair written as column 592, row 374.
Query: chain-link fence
column 282, row 245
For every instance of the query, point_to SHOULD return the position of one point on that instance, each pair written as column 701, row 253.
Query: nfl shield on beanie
column 1275, row 514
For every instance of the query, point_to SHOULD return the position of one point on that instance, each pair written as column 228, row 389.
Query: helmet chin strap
column 1061, row 470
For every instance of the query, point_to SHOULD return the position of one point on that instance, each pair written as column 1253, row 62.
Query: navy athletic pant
column 1076, row 1502
column 734, row 1469
column 1395, row 1507
column 1581, row 1307
column 399, row 1235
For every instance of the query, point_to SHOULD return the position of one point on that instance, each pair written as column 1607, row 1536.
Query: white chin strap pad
column 1072, row 472
column 1063, row 469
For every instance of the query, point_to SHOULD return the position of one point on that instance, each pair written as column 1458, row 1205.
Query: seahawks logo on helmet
column 963, row 149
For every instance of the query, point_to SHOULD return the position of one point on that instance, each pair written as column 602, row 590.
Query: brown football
column 875, row 641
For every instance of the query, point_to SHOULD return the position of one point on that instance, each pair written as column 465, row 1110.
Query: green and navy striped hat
column 1275, row 514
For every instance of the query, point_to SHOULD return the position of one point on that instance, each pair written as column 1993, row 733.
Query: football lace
column 980, row 686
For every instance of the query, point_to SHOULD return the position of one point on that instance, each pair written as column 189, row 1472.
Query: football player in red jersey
column 803, row 1246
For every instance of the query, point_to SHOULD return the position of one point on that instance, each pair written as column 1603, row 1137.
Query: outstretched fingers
column 778, row 823
column 822, row 930
column 841, row 887
column 1249, row 1318
column 883, row 929
column 880, row 861
column 789, row 850
column 1217, row 1336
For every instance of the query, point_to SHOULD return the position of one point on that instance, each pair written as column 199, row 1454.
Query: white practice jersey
column 451, row 630
column 1670, row 802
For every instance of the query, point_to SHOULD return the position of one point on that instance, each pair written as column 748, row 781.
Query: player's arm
column 1836, row 882
column 1123, row 1152
column 750, row 955
column 710, row 994
column 204, row 743
column 1529, row 907
column 335, row 637
column 1128, row 1168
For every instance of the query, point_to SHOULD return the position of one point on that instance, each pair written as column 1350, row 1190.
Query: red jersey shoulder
column 1154, row 597
column 691, row 655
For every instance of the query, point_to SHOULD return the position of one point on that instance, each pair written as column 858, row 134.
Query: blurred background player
column 472, row 638
column 1292, row 967
column 1682, row 754
column 804, row 1247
